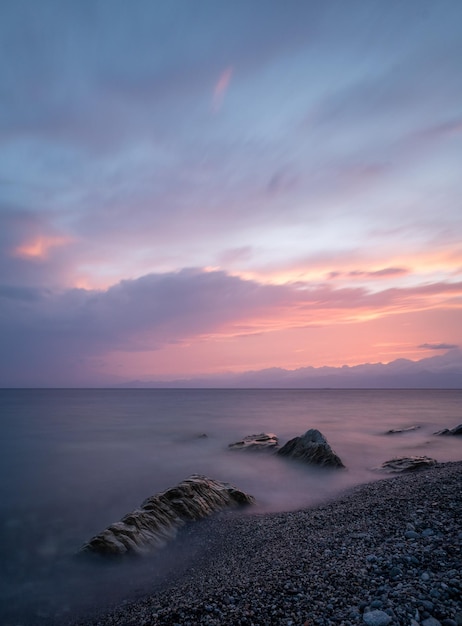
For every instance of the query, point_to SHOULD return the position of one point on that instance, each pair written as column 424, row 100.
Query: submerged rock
column 407, row 464
column 457, row 430
column 394, row 431
column 263, row 441
column 160, row 516
column 312, row 448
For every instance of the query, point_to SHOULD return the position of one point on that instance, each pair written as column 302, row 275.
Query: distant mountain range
column 438, row 372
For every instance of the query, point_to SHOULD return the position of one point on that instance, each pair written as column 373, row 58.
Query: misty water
column 74, row 461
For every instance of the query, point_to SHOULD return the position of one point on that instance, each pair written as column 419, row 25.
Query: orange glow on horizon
column 379, row 340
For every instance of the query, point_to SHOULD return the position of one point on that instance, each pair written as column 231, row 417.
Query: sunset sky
column 199, row 187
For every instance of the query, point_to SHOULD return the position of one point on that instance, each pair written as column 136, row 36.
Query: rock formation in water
column 263, row 441
column 457, row 430
column 395, row 431
column 407, row 464
column 311, row 448
column 160, row 516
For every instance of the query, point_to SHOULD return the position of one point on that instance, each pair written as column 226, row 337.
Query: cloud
column 39, row 247
column 281, row 181
column 385, row 272
column 438, row 346
column 447, row 127
column 48, row 333
column 235, row 255
column 221, row 87
column 33, row 251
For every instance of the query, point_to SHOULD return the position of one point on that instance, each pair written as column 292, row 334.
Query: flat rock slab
column 160, row 516
column 311, row 448
column 407, row 464
column 395, row 431
column 263, row 441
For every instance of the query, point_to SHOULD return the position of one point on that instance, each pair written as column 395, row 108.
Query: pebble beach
column 388, row 552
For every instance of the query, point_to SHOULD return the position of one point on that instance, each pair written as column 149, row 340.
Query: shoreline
column 393, row 547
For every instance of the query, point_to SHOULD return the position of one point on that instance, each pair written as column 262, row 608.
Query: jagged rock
column 312, row 448
column 407, row 464
column 263, row 441
column 457, row 430
column 395, row 431
column 160, row 516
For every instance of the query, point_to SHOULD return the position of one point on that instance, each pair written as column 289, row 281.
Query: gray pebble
column 376, row 604
column 427, row 605
column 431, row 621
column 411, row 534
column 377, row 618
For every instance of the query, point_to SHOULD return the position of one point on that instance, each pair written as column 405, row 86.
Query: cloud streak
column 220, row 89
column 438, row 346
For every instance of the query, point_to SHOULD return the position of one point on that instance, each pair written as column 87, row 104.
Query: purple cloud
column 46, row 333
column 438, row 346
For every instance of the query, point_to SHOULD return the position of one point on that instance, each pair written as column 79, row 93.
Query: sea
column 75, row 460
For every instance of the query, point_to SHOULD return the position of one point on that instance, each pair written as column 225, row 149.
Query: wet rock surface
column 311, row 448
column 397, row 431
column 263, row 441
column 407, row 464
column 457, row 430
column 159, row 517
column 389, row 552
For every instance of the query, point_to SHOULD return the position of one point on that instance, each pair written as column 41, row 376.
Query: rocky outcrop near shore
column 397, row 431
column 407, row 464
column 457, row 430
column 160, row 516
column 389, row 552
column 263, row 441
column 311, row 448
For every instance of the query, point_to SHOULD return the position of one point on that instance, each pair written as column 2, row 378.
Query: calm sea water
column 73, row 461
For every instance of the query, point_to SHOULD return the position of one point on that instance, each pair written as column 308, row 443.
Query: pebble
column 378, row 618
column 411, row 534
column 376, row 604
column 431, row 621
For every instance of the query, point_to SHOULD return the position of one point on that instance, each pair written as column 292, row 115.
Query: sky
column 192, row 188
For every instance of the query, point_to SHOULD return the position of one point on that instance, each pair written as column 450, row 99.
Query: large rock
column 263, row 441
column 407, row 464
column 457, row 430
column 160, row 516
column 312, row 448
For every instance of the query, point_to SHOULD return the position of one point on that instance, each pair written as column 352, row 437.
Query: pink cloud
column 162, row 309
column 39, row 247
column 221, row 88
